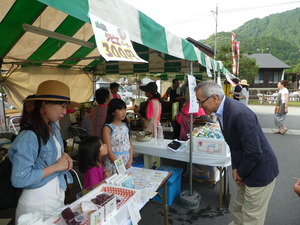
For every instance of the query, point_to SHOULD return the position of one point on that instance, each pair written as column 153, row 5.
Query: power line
column 196, row 17
column 255, row 7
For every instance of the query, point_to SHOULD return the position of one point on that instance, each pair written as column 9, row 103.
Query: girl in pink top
column 90, row 164
column 183, row 118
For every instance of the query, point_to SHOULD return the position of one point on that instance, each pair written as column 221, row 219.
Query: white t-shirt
column 283, row 92
column 244, row 92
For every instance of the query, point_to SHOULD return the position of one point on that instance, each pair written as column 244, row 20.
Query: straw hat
column 53, row 90
column 244, row 82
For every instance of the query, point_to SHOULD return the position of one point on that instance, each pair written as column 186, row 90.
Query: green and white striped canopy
column 166, row 51
column 142, row 29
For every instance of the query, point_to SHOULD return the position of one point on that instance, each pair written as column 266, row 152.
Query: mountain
column 278, row 34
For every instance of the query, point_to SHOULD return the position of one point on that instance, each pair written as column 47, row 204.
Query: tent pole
column 191, row 147
column 3, row 107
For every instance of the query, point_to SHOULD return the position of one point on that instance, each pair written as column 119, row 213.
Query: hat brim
column 71, row 104
column 144, row 88
column 245, row 84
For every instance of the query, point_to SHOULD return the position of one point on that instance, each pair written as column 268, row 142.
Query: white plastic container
column 159, row 135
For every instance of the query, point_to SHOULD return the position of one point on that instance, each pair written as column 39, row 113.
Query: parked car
column 125, row 95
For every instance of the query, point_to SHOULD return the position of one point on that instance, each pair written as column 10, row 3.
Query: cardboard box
column 173, row 185
column 202, row 172
column 210, row 146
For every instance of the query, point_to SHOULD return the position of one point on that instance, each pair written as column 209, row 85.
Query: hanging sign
column 113, row 42
column 229, row 80
column 194, row 106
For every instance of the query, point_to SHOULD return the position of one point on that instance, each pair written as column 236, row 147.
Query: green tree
column 247, row 69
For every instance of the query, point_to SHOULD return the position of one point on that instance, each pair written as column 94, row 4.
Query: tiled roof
column 267, row 60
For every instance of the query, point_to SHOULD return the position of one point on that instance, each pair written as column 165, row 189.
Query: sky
column 197, row 19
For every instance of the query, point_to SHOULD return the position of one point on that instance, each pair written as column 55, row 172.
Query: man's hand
column 237, row 179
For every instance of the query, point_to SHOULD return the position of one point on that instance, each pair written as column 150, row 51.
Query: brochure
column 120, row 166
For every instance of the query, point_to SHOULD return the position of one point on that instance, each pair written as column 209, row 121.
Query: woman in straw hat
column 244, row 94
column 39, row 166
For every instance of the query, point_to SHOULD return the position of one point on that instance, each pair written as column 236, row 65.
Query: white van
column 125, row 95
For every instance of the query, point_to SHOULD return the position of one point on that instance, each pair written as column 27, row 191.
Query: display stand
column 122, row 215
column 201, row 158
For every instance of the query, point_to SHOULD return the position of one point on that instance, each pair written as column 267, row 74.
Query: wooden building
column 270, row 70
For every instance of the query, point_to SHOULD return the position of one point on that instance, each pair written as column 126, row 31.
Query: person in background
column 244, row 94
column 41, row 171
column 185, row 88
column 175, row 92
column 91, row 153
column 99, row 112
column 65, row 125
column 254, row 164
column 237, row 89
column 183, row 119
column 281, row 108
column 151, row 109
column 114, row 88
column 116, row 136
column 86, row 122
column 28, row 106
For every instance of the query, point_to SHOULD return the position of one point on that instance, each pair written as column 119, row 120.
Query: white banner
column 113, row 42
column 194, row 107
column 229, row 80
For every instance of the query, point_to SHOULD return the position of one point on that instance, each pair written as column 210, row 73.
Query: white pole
column 215, row 48
column 191, row 147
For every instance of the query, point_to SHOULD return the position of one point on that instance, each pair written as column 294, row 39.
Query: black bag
column 9, row 194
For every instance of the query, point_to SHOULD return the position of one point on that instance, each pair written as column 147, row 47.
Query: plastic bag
column 31, row 219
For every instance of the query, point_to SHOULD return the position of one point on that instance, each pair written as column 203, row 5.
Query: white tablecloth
column 150, row 148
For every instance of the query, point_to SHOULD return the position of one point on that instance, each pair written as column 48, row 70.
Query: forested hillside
column 278, row 34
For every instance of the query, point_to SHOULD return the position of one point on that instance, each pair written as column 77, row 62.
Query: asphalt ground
column 284, row 204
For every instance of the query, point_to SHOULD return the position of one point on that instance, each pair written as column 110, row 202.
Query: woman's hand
column 276, row 109
column 65, row 162
column 136, row 109
column 286, row 110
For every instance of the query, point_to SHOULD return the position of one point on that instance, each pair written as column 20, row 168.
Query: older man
column 254, row 164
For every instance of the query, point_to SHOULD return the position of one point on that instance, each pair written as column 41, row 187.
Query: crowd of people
column 43, row 171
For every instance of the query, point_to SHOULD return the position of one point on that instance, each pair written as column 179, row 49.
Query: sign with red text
column 113, row 42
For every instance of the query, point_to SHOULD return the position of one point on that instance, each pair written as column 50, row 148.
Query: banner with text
column 194, row 106
column 113, row 42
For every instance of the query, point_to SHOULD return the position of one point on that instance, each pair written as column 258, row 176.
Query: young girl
column 90, row 164
column 115, row 135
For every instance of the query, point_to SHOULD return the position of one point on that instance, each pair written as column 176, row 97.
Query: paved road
column 284, row 207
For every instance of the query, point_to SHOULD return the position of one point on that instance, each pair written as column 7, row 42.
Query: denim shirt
column 27, row 171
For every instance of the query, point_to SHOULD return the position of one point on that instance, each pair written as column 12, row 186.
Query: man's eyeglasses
column 201, row 102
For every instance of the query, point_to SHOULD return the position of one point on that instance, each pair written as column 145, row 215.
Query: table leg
column 225, row 179
column 221, row 189
column 166, row 208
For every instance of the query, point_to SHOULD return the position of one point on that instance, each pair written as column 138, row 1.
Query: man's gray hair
column 210, row 88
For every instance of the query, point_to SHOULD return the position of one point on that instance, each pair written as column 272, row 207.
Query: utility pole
column 215, row 13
